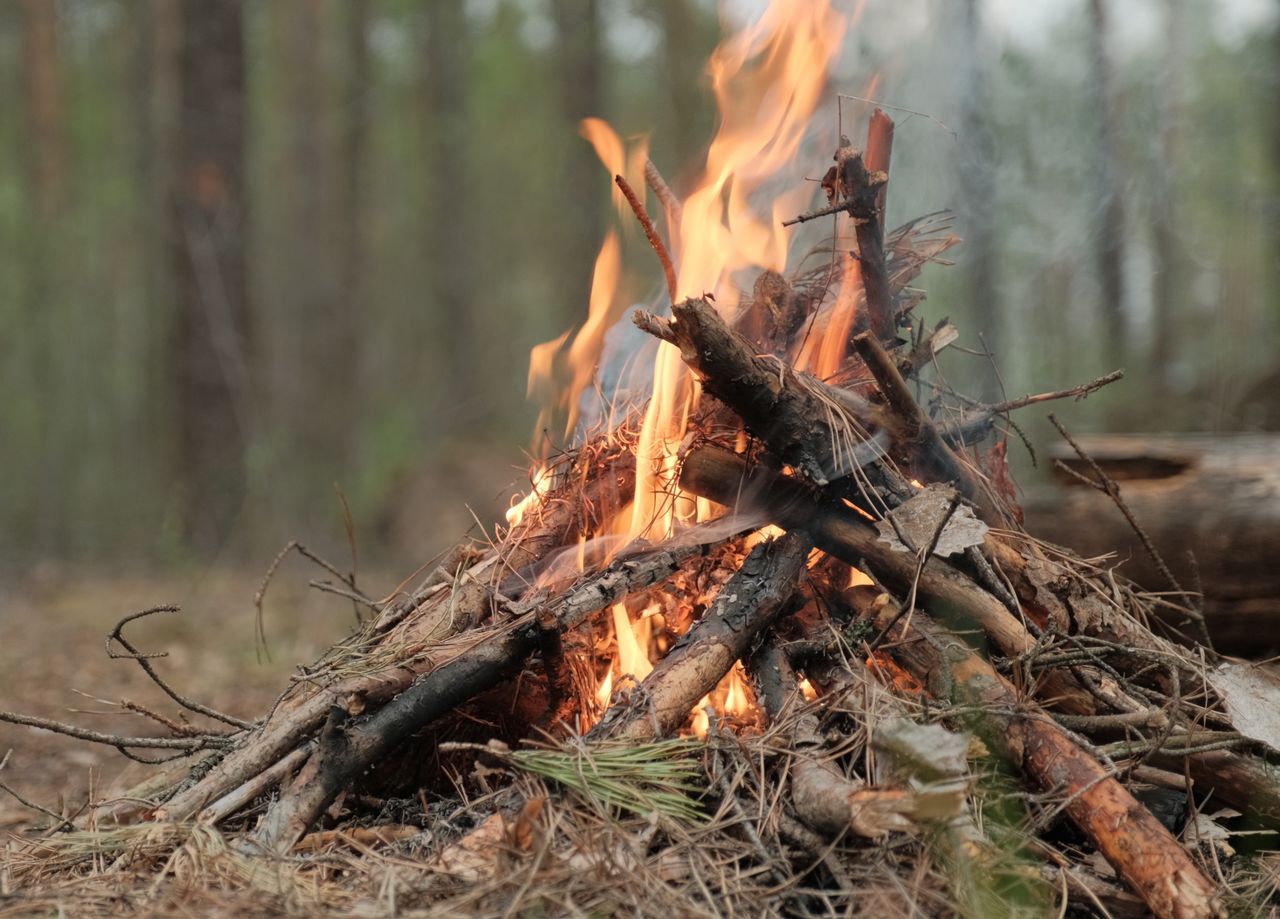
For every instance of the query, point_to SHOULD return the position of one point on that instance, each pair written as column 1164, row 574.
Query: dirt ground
column 53, row 664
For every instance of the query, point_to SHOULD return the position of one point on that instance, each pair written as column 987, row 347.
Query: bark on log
column 777, row 404
column 723, row 477
column 866, row 183
column 748, row 603
column 710, row 472
column 793, row 414
column 1132, row 840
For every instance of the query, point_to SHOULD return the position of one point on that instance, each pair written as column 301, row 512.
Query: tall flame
column 768, row 81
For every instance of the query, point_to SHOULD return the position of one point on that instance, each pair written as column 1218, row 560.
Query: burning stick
column 856, row 185
column 650, row 233
column 348, row 747
column 747, row 604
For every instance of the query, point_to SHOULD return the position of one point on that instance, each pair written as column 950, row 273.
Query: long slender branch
column 144, row 661
column 119, row 741
column 650, row 233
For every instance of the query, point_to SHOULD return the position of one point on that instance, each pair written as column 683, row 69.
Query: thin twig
column 1108, row 486
column 840, row 207
column 1079, row 392
column 191, row 744
column 62, row 822
column 670, row 203
column 144, row 661
column 897, row 108
column 637, row 206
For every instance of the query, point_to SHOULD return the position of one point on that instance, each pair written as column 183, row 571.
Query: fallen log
column 1209, row 503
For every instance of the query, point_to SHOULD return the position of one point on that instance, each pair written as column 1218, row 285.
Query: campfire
column 765, row 621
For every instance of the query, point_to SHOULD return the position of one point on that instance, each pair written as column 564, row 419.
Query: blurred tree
column 47, row 159
column 209, row 357
column 580, row 74
column 155, row 27
column 452, row 229
column 1168, row 274
column 683, row 63
column 1110, row 234
column 977, row 188
column 321, row 334
column 349, row 213
column 46, row 124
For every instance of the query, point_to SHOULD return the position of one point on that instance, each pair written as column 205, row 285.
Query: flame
column 768, row 531
column 733, row 696
column 739, row 699
column 824, row 350
column 605, row 692
column 547, row 360
column 893, row 675
column 807, row 690
column 768, row 81
column 859, row 578
column 617, row 159
column 632, row 638
column 541, row 485
column 633, row 643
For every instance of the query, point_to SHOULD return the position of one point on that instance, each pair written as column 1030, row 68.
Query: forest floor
column 53, row 664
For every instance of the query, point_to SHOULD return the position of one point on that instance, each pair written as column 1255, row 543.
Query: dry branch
column 715, row 473
column 1133, row 841
column 428, row 619
column 348, row 747
column 823, row 799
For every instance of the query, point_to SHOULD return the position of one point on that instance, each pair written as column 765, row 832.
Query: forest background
column 253, row 250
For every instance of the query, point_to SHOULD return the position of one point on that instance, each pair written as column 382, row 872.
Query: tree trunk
column 682, row 77
column 156, row 85
column 209, row 359
column 580, row 76
column 46, row 168
column 1109, row 231
column 977, row 192
column 451, row 238
column 1167, row 275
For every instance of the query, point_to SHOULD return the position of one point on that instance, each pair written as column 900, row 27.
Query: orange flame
column 768, row 81
column 541, row 485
